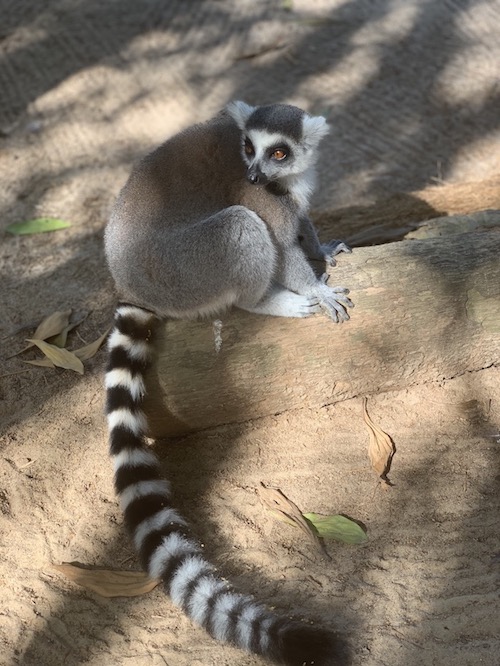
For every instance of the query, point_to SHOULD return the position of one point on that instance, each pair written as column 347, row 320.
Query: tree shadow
column 452, row 550
column 395, row 130
column 389, row 133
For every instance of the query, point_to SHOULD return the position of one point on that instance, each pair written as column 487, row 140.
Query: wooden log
column 391, row 218
column 455, row 225
column 425, row 310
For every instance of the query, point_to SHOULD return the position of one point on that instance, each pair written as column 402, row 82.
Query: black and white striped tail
column 162, row 537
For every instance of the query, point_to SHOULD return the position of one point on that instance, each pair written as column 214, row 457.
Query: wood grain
column 425, row 310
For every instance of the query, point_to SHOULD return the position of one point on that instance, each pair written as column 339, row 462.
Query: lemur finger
column 336, row 246
column 336, row 311
column 342, row 298
column 312, row 306
column 333, row 248
column 340, row 292
column 336, row 302
column 323, row 279
column 295, row 305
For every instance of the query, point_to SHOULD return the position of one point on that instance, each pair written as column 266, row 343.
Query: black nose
column 253, row 178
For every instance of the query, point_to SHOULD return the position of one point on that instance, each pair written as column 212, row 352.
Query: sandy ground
column 411, row 91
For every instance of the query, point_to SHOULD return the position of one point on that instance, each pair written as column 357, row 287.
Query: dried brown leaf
column 60, row 357
column 108, row 582
column 61, row 339
column 51, row 326
column 84, row 353
column 316, row 20
column 42, row 362
column 380, row 449
column 285, row 510
column 274, row 46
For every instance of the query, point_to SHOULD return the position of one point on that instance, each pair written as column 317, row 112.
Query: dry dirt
column 411, row 90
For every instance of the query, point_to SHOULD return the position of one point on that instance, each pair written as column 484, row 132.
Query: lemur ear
column 314, row 129
column 240, row 112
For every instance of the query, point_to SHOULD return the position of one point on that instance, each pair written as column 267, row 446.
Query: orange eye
column 279, row 154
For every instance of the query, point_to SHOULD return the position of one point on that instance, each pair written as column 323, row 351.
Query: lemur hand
column 333, row 299
column 331, row 249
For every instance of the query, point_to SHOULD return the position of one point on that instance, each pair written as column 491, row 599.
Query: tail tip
column 306, row 645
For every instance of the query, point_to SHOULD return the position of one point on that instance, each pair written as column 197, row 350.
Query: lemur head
column 278, row 141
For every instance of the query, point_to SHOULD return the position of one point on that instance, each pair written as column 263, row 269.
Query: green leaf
column 284, row 509
column 337, row 527
column 37, row 226
column 60, row 357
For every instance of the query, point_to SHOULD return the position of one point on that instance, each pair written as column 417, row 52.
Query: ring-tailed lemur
column 215, row 217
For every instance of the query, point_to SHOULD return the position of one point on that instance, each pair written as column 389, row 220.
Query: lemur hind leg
column 210, row 265
column 236, row 270
column 281, row 302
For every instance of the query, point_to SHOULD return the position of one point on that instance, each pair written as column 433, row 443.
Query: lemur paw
column 331, row 249
column 295, row 305
column 281, row 302
column 334, row 300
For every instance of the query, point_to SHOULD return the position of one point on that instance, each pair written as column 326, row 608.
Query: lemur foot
column 296, row 305
column 334, row 300
column 281, row 302
column 331, row 249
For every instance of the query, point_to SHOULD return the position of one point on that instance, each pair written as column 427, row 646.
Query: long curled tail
column 162, row 537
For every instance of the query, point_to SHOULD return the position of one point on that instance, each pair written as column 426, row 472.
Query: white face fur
column 272, row 153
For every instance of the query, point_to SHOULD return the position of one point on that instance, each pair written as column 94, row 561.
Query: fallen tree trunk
column 425, row 310
column 391, row 218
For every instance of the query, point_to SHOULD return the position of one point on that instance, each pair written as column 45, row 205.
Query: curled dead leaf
column 108, row 582
column 381, row 448
column 285, row 510
column 62, row 358
column 51, row 326
column 274, row 46
column 84, row 353
column 41, row 362
column 61, row 339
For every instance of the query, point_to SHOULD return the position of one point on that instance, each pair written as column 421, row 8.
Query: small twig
column 126, row 560
column 28, row 464
column 17, row 372
column 275, row 46
column 405, row 638
column 82, row 339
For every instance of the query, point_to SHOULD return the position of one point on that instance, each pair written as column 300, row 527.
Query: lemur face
column 278, row 141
